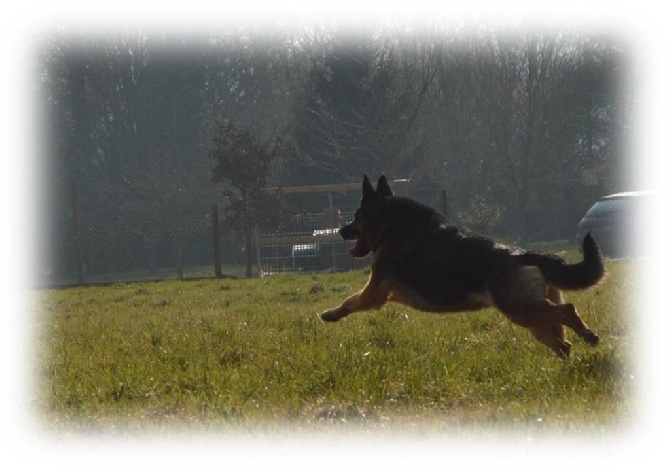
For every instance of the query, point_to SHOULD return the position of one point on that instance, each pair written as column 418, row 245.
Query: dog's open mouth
column 350, row 232
column 360, row 249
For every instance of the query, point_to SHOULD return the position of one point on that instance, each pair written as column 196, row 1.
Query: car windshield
column 609, row 207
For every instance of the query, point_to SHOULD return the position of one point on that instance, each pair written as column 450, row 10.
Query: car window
column 611, row 207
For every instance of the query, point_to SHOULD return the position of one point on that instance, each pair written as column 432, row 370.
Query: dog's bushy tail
column 579, row 276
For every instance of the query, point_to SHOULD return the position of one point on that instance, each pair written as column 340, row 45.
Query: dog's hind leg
column 553, row 336
column 545, row 316
column 567, row 314
column 525, row 298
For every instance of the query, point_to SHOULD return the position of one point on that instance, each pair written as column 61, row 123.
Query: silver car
column 612, row 221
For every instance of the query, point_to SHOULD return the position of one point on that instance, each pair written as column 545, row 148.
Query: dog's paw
column 591, row 338
column 330, row 315
column 563, row 349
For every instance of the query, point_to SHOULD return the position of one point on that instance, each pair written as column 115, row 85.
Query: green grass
column 252, row 354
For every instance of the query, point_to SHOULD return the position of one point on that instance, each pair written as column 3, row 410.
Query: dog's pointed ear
column 383, row 187
column 367, row 187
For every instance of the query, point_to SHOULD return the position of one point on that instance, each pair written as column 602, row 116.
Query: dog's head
column 368, row 219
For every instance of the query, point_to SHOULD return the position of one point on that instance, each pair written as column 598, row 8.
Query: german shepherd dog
column 421, row 261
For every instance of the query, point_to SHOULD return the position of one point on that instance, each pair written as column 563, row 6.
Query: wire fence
column 117, row 248
column 130, row 249
column 93, row 249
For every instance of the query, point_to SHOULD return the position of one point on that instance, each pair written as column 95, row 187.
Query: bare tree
column 524, row 88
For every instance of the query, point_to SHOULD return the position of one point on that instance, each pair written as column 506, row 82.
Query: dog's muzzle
column 348, row 232
column 361, row 248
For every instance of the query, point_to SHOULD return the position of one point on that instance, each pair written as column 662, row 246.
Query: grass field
column 252, row 354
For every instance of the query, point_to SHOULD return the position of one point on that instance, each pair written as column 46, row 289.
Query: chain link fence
column 123, row 250
column 119, row 249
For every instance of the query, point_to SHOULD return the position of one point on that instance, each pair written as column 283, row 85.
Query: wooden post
column 334, row 223
column 180, row 264
column 259, row 252
column 215, row 241
column 77, row 233
column 443, row 205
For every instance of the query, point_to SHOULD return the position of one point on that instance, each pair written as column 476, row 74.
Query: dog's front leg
column 372, row 296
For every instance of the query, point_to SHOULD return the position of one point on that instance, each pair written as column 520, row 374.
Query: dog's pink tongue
column 352, row 251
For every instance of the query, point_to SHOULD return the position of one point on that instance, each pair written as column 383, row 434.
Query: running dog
column 421, row 261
